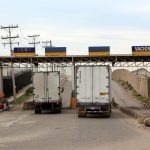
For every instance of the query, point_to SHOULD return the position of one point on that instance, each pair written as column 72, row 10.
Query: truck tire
column 108, row 115
column 110, row 108
column 59, row 111
column 81, row 115
column 37, row 111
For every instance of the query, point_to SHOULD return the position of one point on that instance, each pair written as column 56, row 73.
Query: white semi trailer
column 47, row 92
column 93, row 92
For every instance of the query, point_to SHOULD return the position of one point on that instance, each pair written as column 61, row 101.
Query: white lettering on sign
column 142, row 48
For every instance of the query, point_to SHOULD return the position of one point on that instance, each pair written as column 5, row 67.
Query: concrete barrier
column 142, row 119
column 28, row 105
column 147, row 122
column 114, row 103
column 129, row 112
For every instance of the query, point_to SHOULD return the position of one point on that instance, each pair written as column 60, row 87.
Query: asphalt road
column 122, row 96
column 125, row 99
column 23, row 130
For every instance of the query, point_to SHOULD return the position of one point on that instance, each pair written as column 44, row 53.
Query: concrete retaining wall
column 139, row 84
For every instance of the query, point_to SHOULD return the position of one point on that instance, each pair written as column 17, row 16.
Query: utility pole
column 46, row 43
column 34, row 43
column 34, row 39
column 10, row 42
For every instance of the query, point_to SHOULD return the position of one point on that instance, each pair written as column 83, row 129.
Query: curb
column 5, row 107
column 1, row 110
column 140, row 117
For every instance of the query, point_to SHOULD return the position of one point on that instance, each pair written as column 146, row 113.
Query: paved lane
column 124, row 99
column 23, row 130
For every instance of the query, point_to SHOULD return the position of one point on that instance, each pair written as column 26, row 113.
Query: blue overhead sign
column 99, row 50
column 140, row 48
column 24, row 51
column 55, row 49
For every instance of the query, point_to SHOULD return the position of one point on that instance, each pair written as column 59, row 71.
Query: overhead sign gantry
column 76, row 59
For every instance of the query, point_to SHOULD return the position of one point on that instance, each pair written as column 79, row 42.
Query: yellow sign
column 55, row 54
column 24, row 54
column 141, row 53
column 98, row 53
column 103, row 93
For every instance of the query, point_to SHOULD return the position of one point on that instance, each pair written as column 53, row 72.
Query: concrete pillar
column 1, row 82
column 148, row 82
column 73, row 77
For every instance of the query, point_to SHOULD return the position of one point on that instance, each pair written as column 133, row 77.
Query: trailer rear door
column 93, row 84
column 39, row 86
column 84, row 84
column 101, row 85
column 53, row 88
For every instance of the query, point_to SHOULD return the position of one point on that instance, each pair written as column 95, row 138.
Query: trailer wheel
column 59, row 111
column 108, row 115
column 40, row 111
column 81, row 115
column 110, row 108
column 36, row 111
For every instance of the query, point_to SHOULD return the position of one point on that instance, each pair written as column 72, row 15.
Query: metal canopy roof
column 77, row 59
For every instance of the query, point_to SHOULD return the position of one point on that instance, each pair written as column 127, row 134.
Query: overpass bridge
column 55, row 63
column 112, row 60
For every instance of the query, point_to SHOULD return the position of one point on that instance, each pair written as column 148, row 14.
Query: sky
column 78, row 24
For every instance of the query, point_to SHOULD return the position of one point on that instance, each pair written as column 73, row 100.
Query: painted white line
column 11, row 123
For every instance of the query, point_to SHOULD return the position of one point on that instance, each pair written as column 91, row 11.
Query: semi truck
column 46, row 92
column 93, row 90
